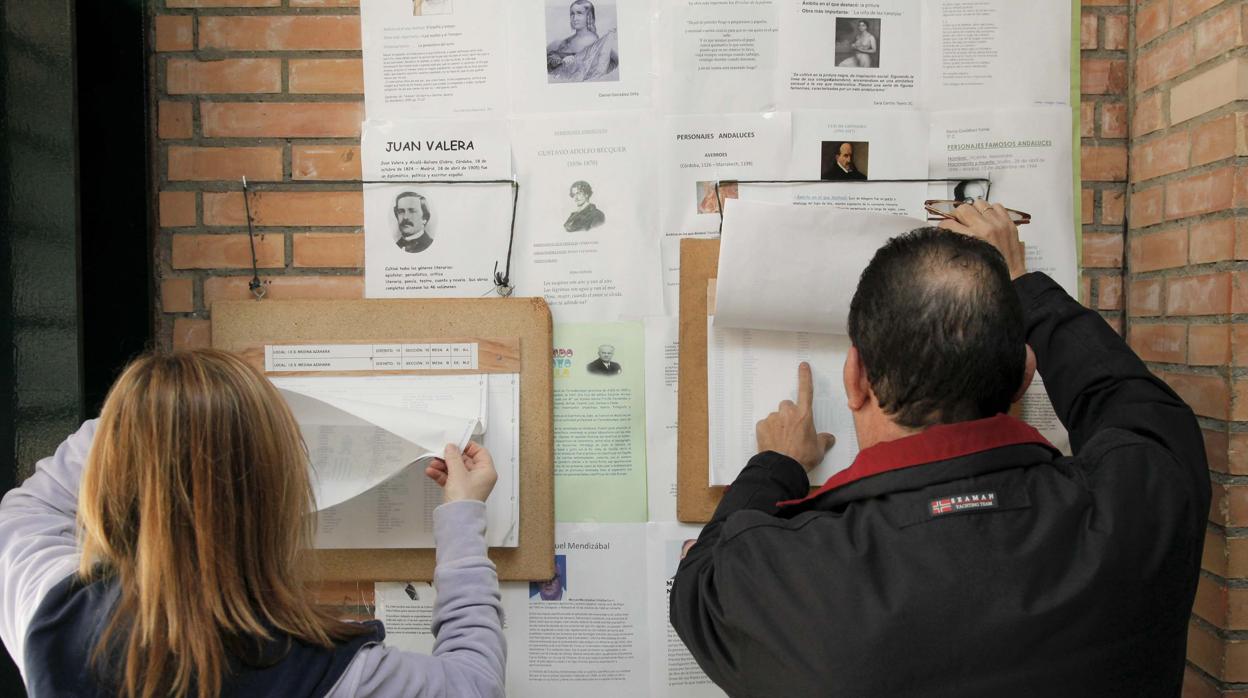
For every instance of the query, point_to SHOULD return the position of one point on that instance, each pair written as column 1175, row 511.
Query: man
column 585, row 215
column 412, row 213
column 960, row 554
column 843, row 167
column 603, row 365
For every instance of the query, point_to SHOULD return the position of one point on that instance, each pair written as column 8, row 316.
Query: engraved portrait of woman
column 584, row 56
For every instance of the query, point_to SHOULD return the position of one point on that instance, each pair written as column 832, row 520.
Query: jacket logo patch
column 963, row 502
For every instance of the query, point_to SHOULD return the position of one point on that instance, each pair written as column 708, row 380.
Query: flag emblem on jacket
column 963, row 502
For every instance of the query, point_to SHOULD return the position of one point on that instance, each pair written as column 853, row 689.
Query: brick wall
column 271, row 89
column 1187, row 286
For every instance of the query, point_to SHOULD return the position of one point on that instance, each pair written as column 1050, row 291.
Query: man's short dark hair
column 583, row 186
column 424, row 206
column 939, row 328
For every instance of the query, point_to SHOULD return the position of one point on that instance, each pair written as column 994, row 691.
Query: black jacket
column 971, row 559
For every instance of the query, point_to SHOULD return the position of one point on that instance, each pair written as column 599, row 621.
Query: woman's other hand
column 464, row 475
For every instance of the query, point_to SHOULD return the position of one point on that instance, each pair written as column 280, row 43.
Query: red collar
column 933, row 444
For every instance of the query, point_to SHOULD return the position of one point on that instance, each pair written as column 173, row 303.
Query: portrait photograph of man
column 411, row 218
column 585, row 215
column 844, row 160
column 552, row 589
column 605, row 364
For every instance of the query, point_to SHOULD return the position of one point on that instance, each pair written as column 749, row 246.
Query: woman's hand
column 469, row 475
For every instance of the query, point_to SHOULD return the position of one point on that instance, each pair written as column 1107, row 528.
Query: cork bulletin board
column 518, row 330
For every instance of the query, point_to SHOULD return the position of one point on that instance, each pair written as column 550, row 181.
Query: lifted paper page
column 662, row 360
column 749, row 372
column 582, row 632
column 721, row 57
column 795, row 268
column 433, row 58
column 580, row 56
column 1026, row 152
column 434, row 240
column 985, row 53
column 852, row 146
column 409, row 149
column 888, row 198
column 850, row 55
column 600, row 426
column 587, row 236
column 406, row 609
column 674, row 673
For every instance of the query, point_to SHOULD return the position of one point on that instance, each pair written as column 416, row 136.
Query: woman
column 180, row 575
column 864, row 47
column 585, row 215
column 584, row 56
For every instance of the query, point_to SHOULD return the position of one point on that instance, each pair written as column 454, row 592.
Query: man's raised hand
column 991, row 223
column 790, row 430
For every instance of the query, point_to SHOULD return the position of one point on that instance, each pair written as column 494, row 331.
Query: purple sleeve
column 469, row 653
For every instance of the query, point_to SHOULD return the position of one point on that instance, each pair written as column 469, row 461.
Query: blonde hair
column 197, row 498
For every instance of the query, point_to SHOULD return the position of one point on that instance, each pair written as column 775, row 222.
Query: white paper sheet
column 1037, row 410
column 662, row 364
column 426, row 149
column 795, row 267
column 1026, row 152
column 592, row 252
column 749, row 372
column 674, row 673
column 406, row 609
column 883, row 144
column 887, row 198
column 569, row 57
column 838, row 55
column 721, row 57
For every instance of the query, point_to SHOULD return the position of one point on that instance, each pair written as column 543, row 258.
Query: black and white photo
column 412, row 222
column 431, row 8
column 844, row 160
column 605, row 364
column 857, row 42
column 582, row 44
column 585, row 215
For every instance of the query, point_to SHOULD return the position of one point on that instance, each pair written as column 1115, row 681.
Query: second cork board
column 510, row 325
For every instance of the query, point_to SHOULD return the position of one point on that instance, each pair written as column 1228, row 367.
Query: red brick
column 1241, row 128
column 1218, row 34
column 1237, row 452
column 1197, row 685
column 324, row 3
column 1215, row 555
column 1103, row 76
column 1087, row 30
column 175, row 119
column 177, row 209
column 1208, row 345
column 1208, row 396
column 1085, row 289
column 1104, row 163
column 1239, row 292
column 1149, row 115
column 1213, row 140
column 1109, row 293
column 1113, row 120
column 1239, row 347
column 177, row 295
column 327, row 76
column 1184, row 10
column 1216, row 450
column 223, row 3
column 325, row 162
column 1203, row 294
column 256, row 164
column 1160, row 156
column 1160, row 343
column 284, row 288
column 329, row 250
column 1145, row 297
column 1146, row 207
column 1239, row 404
column 1087, row 119
column 227, row 251
column 191, row 333
column 1151, row 20
column 232, row 76
column 1212, row 241
column 1202, row 193
column 1112, row 204
column 1211, row 602
column 281, row 33
column 284, row 208
column 1115, row 32
column 175, row 32
column 281, row 119
column 1102, row 250
column 1163, row 250
column 1087, row 202
column 1169, row 58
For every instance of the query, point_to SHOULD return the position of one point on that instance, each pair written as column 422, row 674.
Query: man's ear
column 1029, row 372
column 857, row 387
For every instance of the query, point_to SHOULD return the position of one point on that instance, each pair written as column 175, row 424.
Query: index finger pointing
column 805, row 386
